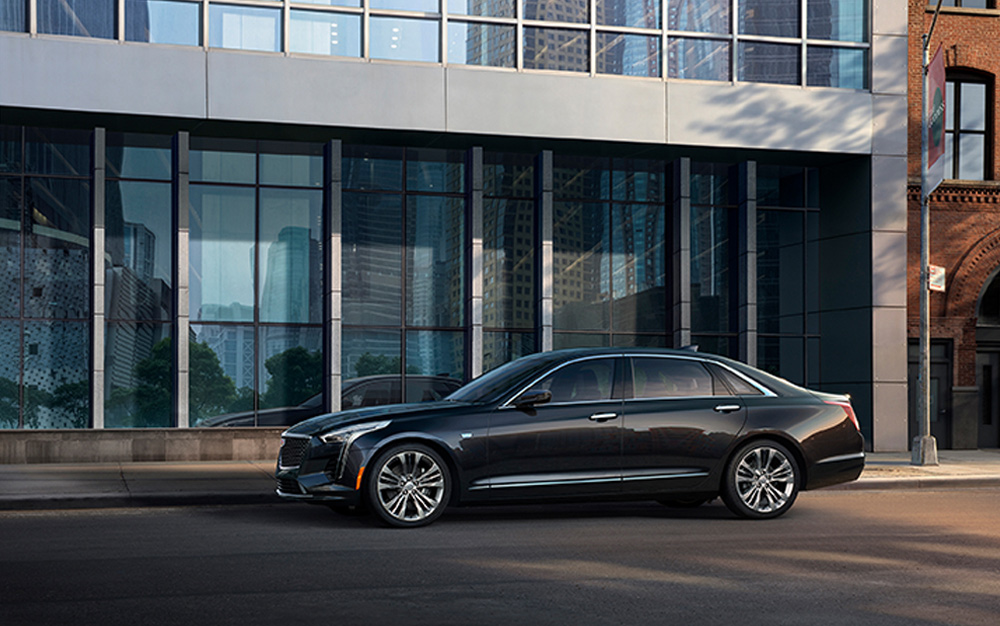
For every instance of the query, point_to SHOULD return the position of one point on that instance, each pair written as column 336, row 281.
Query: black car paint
column 499, row 452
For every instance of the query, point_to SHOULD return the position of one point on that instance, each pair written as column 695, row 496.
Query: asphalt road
column 839, row 557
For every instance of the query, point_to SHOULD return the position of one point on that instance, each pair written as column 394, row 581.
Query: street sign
column 935, row 278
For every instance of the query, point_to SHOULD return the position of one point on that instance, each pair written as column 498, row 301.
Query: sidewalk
column 108, row 485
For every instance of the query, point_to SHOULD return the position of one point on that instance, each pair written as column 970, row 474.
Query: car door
column 569, row 446
column 679, row 421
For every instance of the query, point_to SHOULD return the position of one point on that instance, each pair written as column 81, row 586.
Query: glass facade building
column 326, row 191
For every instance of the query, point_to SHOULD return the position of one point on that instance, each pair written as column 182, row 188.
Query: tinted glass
column 292, row 165
column 290, row 365
column 564, row 341
column 496, row 8
column 591, row 380
column 222, row 370
column 10, row 149
column 435, row 244
column 508, row 175
column 780, row 271
column 561, row 49
column 291, row 260
column 10, row 247
column 132, row 155
column 437, row 171
column 840, row 20
column 372, row 258
column 562, row 11
column 761, row 62
column 59, row 152
column 704, row 16
column 490, row 45
column 244, row 28
column 163, row 21
column 502, row 347
column 82, row 18
column 222, row 253
column 371, row 168
column 223, row 161
column 581, row 177
column 973, row 111
column 508, row 263
column 435, row 353
column 780, row 186
column 424, row 6
column 710, row 263
column 313, row 32
column 737, row 384
column 972, row 157
column 698, row 59
column 634, row 13
column 639, row 268
column 710, row 184
column 782, row 356
column 638, row 180
column 846, row 68
column 370, row 353
column 10, row 374
column 56, row 374
column 628, row 55
column 138, row 359
column 670, row 378
column 640, row 341
column 776, row 18
column 12, row 17
column 582, row 254
column 403, row 39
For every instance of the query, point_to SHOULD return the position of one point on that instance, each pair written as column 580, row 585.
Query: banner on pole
column 934, row 118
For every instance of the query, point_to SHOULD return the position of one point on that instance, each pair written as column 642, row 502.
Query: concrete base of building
column 138, row 445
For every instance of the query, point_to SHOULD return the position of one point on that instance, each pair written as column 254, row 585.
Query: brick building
column 964, row 225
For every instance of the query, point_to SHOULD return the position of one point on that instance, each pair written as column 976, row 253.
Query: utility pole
column 924, row 448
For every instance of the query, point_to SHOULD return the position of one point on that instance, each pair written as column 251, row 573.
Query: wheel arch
column 437, row 446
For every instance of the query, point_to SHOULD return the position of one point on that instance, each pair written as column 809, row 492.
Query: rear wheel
column 762, row 480
column 409, row 486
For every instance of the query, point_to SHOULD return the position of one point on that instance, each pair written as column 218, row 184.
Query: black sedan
column 669, row 425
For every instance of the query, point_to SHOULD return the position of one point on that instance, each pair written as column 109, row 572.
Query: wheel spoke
column 410, row 486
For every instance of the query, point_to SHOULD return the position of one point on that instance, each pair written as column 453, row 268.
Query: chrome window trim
column 507, row 404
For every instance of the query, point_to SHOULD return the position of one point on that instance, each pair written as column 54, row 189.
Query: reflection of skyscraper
column 289, row 288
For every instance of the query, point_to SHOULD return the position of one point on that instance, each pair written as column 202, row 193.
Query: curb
column 30, row 503
column 920, row 482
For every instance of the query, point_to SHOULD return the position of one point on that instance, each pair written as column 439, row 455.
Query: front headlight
column 348, row 434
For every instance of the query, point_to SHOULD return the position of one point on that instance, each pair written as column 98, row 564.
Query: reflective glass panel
column 435, row 244
column 581, row 276
column 639, row 266
column 82, row 18
column 628, row 55
column 313, row 32
column 57, row 249
column 425, row 6
column 12, row 19
column 10, row 374
column 710, row 184
column 438, row 171
column 710, row 263
column 56, row 374
column 221, row 379
column 490, row 45
column 768, row 63
column 561, row 11
column 10, row 247
column 138, row 251
column 565, row 341
column 403, row 39
column 488, row 8
column 291, row 257
column 290, row 366
column 138, row 360
column 634, row 13
column 436, row 353
column 839, row 20
column 244, row 27
column 59, row 152
column 846, row 68
column 508, row 175
column 372, row 168
column 782, row 356
column 335, row 3
column 581, row 177
column 702, row 16
column 561, row 49
column 163, row 21
column 132, row 155
column 639, row 341
column 698, row 59
column 776, row 18
column 714, row 344
column 222, row 253
column 508, row 263
column 502, row 347
column 291, row 165
column 223, row 160
column 812, row 273
column 638, row 180
column 372, row 365
column 372, row 259
column 10, row 149
column 782, row 186
column 781, row 265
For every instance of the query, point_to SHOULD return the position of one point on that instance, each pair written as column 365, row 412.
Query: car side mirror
column 531, row 398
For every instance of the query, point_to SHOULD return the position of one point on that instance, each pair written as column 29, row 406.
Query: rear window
column 671, row 378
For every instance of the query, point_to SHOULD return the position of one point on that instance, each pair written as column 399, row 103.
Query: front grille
column 293, row 450
column 288, row 485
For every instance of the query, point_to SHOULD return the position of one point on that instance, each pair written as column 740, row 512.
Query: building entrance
column 940, row 391
column 988, row 381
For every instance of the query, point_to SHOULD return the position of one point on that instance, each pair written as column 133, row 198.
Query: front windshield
column 492, row 385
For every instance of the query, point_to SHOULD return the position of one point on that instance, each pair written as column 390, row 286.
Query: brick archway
column 971, row 274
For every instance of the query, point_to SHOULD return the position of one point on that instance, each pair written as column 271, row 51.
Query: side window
column 580, row 382
column 670, row 378
column 739, row 386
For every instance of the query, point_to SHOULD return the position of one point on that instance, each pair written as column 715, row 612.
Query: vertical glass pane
column 581, row 276
column 222, row 253
column 949, row 155
column 949, row 108
column 839, row 20
column 56, row 374
column 639, row 341
column 57, row 249
column 703, row 16
column 163, row 21
column 508, row 175
column 638, row 180
column 138, row 361
column 812, row 273
column 560, row 49
column 710, row 263
column 223, row 161
column 780, row 272
column 12, row 19
column 846, row 68
column 291, row 164
column 403, row 39
column 10, row 247
column 337, row 34
column 138, row 251
column 291, row 257
column 973, row 113
column 776, row 18
column 437, row 171
column 372, row 366
column 373, row 168
column 425, row 6
column 562, row 11
column 290, row 369
column 10, row 374
column 779, row 185
column 710, row 184
column 10, row 149
column 222, row 371
column 508, row 263
column 372, row 259
column 133, row 155
column 698, row 59
column 782, row 356
column 502, row 347
column 634, row 13
column 82, row 18
column 491, row 45
column 435, row 243
column 971, row 156
column 581, row 177
column 333, row 3
column 244, row 28
column 495, row 8
column 768, row 63
column 435, row 353
column 59, row 152
column 714, row 344
column 628, row 55
column 639, row 268
column 564, row 341
column 813, row 378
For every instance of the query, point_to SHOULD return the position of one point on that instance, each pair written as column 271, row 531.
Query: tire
column 409, row 486
column 762, row 480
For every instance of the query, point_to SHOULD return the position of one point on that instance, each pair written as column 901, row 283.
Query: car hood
column 329, row 421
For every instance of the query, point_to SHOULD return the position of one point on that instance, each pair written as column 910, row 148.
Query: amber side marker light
column 848, row 408
column 361, row 472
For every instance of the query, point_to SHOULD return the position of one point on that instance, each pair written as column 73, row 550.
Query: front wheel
column 762, row 480
column 409, row 486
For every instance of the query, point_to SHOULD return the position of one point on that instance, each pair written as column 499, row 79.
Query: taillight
column 850, row 411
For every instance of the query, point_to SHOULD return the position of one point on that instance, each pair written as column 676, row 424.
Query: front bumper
column 312, row 471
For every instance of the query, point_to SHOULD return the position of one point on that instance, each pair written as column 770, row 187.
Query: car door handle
column 727, row 408
column 603, row 417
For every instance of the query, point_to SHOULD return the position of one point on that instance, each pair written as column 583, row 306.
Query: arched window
column 989, row 302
